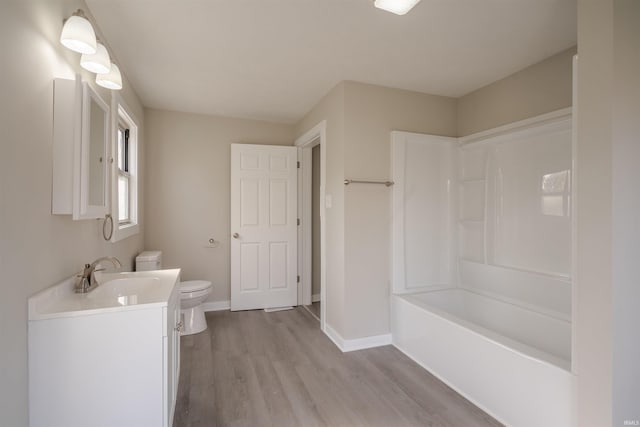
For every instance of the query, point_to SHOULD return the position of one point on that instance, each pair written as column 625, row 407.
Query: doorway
column 316, row 303
column 311, row 238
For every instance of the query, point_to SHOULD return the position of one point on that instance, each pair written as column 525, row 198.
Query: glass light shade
column 399, row 7
column 78, row 35
column 99, row 62
column 111, row 80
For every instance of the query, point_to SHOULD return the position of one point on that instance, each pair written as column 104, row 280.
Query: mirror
column 97, row 123
column 95, row 127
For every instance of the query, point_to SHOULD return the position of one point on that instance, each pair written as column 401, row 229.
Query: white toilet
column 192, row 293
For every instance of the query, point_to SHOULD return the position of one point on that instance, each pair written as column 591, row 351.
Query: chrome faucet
column 86, row 281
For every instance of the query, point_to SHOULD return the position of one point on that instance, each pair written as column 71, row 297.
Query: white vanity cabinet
column 173, row 324
column 91, row 364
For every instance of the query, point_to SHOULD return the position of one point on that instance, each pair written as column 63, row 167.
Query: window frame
column 123, row 118
column 124, row 173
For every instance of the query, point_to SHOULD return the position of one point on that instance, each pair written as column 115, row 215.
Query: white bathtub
column 511, row 361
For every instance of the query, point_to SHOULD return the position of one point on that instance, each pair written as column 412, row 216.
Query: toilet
column 192, row 293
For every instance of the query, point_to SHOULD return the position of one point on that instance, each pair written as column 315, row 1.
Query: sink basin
column 127, row 291
column 115, row 292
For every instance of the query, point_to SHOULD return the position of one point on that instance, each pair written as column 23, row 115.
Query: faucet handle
column 85, row 272
column 82, row 285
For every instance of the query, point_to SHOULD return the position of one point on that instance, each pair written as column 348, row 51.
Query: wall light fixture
column 111, row 80
column 78, row 35
column 99, row 62
column 399, row 7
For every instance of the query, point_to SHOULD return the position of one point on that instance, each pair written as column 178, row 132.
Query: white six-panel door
column 263, row 226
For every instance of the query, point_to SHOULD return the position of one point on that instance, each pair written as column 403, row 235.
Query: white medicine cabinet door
column 80, row 151
column 94, row 148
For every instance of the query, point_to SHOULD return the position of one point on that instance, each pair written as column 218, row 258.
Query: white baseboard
column 358, row 343
column 333, row 336
column 216, row 305
column 315, row 298
column 367, row 342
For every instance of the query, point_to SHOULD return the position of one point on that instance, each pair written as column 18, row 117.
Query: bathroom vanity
column 110, row 357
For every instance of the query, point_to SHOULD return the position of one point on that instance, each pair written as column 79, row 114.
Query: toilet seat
column 194, row 286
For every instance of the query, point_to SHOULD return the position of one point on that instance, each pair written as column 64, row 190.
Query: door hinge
column 298, row 221
column 298, row 165
column 298, row 279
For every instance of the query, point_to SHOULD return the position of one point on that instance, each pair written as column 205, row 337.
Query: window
column 125, row 179
column 556, row 193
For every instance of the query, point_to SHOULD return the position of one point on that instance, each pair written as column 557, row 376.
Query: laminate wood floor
column 253, row 368
column 314, row 308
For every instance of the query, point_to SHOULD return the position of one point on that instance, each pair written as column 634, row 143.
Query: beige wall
column 608, row 148
column 626, row 205
column 538, row 89
column 593, row 356
column 331, row 109
column 359, row 118
column 188, row 181
column 37, row 249
column 371, row 113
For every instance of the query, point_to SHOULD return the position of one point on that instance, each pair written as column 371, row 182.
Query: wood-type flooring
column 252, row 368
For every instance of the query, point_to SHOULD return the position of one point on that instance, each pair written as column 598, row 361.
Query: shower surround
column 482, row 261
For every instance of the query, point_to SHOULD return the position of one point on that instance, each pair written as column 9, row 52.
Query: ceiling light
column 99, row 62
column 399, row 7
column 111, row 80
column 78, row 35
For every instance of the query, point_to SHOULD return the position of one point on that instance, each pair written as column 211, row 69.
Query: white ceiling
column 275, row 59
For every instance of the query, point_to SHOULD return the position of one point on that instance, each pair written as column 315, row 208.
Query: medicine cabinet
column 80, row 151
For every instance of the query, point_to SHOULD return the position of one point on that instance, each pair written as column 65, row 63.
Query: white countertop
column 61, row 300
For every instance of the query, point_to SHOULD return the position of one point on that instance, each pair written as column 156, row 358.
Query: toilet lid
column 194, row 285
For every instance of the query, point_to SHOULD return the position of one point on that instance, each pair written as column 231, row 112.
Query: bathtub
column 511, row 361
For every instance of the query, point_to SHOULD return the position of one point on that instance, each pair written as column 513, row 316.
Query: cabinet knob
column 236, row 235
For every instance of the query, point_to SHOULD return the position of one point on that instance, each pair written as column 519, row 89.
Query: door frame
column 305, row 143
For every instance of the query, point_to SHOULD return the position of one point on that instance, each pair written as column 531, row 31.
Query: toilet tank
column 149, row 260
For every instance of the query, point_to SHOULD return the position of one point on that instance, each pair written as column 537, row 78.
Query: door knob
column 236, row 235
